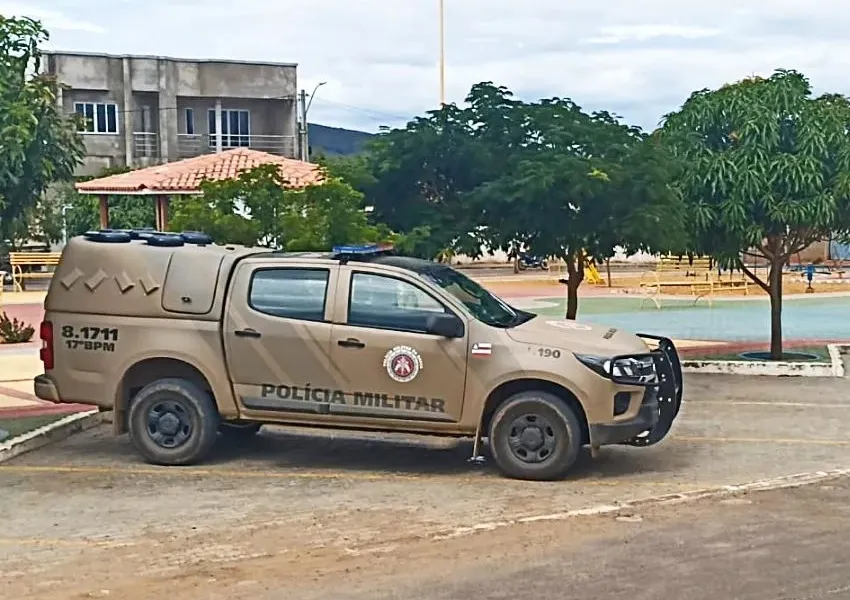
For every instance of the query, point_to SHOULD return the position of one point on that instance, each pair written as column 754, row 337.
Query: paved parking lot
column 85, row 515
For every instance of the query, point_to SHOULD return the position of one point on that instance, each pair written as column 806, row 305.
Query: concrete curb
column 834, row 368
column 52, row 432
column 788, row 481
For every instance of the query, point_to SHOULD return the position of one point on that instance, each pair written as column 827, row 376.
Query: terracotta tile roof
column 186, row 175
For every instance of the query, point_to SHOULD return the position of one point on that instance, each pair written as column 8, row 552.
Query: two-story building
column 144, row 110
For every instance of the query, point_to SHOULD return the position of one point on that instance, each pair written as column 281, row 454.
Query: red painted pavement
column 31, row 314
column 43, row 407
column 40, row 411
column 736, row 347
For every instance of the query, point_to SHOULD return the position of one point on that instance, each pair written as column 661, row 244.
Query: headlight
column 628, row 370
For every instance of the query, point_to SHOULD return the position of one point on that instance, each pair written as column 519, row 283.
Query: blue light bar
column 362, row 249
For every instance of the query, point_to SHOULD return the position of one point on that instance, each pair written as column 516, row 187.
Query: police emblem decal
column 402, row 363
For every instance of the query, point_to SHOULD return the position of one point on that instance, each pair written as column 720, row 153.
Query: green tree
column 503, row 174
column 768, row 173
column 258, row 208
column 422, row 173
column 40, row 144
column 355, row 170
column 573, row 185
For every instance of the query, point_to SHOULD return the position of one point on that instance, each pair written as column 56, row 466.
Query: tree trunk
column 575, row 275
column 775, row 280
column 608, row 270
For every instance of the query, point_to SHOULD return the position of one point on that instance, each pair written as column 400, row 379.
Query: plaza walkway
column 19, row 364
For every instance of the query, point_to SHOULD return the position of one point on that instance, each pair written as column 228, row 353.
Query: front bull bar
column 669, row 391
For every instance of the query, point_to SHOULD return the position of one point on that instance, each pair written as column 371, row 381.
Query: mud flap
column 669, row 392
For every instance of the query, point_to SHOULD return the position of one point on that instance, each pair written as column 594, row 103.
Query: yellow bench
column 18, row 260
column 696, row 276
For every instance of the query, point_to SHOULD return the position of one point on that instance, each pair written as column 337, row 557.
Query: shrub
column 13, row 331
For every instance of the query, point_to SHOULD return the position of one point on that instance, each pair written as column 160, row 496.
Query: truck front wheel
column 173, row 422
column 534, row 436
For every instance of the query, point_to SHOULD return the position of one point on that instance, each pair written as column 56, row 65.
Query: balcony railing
column 195, row 145
column 145, row 144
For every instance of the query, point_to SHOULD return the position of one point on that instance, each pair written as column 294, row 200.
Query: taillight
column 46, row 352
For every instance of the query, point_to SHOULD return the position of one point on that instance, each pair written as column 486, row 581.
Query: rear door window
column 290, row 293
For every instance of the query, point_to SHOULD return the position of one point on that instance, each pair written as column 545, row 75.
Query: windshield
column 485, row 306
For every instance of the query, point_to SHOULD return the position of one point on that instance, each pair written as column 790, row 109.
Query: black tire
column 165, row 241
column 187, row 428
column 108, row 236
column 557, row 427
column 196, row 237
column 521, row 266
column 239, row 430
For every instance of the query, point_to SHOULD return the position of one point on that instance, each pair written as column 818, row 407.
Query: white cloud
column 379, row 57
column 50, row 19
column 642, row 33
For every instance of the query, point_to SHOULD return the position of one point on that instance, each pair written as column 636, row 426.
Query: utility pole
column 304, row 132
column 302, row 137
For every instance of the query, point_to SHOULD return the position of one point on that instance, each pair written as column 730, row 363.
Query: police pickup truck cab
column 185, row 340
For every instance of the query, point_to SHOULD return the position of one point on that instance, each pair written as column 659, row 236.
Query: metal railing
column 145, row 144
column 195, row 145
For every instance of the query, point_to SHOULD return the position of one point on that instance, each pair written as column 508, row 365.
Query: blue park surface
column 818, row 317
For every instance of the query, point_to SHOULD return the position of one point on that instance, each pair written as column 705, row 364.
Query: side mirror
column 444, row 325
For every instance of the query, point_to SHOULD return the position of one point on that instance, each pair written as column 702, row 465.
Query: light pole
column 305, row 108
column 442, row 7
column 65, row 209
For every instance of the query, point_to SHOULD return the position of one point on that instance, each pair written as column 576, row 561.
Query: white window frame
column 225, row 137
column 80, row 109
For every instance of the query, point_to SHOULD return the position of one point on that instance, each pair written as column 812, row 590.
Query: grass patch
column 707, row 354
column 16, row 427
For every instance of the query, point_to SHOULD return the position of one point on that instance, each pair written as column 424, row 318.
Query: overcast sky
column 380, row 57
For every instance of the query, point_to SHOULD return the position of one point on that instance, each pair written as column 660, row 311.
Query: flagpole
column 442, row 8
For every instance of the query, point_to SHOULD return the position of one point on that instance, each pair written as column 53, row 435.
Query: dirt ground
column 306, row 514
column 778, row 545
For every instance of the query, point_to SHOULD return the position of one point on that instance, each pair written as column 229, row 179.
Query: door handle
column 351, row 343
column 250, row 333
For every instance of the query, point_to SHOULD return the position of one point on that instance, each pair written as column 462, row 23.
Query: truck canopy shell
column 138, row 279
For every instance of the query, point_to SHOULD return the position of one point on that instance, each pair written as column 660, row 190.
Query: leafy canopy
column 500, row 172
column 40, row 145
column 572, row 183
column 768, row 166
column 257, row 208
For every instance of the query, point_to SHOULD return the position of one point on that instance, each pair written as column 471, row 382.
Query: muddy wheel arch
column 508, row 388
column 146, row 369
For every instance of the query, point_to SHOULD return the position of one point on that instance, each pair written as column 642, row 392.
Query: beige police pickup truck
column 186, row 340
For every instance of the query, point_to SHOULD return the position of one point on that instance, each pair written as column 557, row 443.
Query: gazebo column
column 104, row 211
column 161, row 210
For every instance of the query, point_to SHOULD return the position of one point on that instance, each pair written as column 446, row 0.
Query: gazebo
column 184, row 177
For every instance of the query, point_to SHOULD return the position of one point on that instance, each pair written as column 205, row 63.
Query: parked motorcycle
column 526, row 261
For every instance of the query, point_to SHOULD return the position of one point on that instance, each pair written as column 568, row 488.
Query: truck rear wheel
column 173, row 422
column 534, row 436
